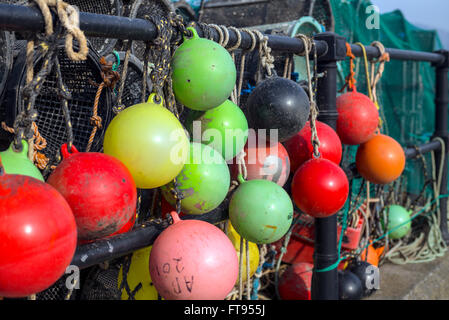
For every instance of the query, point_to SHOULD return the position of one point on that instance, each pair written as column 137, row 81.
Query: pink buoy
column 193, row 260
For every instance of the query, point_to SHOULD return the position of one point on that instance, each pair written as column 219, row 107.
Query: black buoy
column 349, row 286
column 366, row 273
column 278, row 103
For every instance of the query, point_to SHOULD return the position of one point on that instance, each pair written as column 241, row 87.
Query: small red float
column 296, row 282
column 99, row 189
column 300, row 147
column 37, row 235
column 320, row 188
column 358, row 118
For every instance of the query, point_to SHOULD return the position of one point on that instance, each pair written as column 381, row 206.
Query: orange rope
column 39, row 158
column 350, row 79
column 110, row 79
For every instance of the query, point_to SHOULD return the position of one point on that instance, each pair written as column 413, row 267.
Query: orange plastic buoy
column 373, row 257
column 381, row 160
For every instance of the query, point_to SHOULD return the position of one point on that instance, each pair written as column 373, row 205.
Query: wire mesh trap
column 80, row 78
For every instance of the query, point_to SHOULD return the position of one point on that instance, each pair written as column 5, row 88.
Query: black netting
column 5, row 63
column 78, row 77
column 109, row 7
column 102, row 282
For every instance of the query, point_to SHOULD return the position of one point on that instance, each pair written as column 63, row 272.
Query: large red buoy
column 381, row 160
column 37, row 235
column 320, row 188
column 358, row 118
column 300, row 148
column 296, row 282
column 99, row 189
column 193, row 260
column 267, row 161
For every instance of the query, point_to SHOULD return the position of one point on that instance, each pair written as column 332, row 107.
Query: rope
column 69, row 17
column 110, row 79
column 39, row 158
column 308, row 44
column 350, row 80
column 265, row 57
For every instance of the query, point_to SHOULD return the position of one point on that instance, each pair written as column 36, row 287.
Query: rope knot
column 96, row 121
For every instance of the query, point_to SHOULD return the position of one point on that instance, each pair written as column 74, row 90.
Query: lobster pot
column 246, row 13
column 5, row 62
column 80, row 78
column 109, row 7
column 132, row 91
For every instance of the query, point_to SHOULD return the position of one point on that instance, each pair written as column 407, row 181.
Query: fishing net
column 80, row 78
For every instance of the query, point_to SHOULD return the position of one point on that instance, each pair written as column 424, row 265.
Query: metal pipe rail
column 29, row 19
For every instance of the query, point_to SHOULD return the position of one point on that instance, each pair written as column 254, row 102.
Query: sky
column 428, row 14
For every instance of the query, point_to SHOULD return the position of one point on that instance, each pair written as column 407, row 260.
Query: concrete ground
column 419, row 281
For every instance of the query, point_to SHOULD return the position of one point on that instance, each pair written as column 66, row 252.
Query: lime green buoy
column 203, row 182
column 260, row 211
column 397, row 216
column 204, row 73
column 17, row 162
column 223, row 128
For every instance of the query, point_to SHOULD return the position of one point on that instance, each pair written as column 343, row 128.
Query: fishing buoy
column 349, row 286
column 370, row 255
column 260, row 211
column 399, row 222
column 296, row 282
column 150, row 141
column 139, row 274
column 203, row 182
column 253, row 253
column 267, row 161
column 37, row 235
column 320, row 188
column 223, row 128
column 280, row 104
column 17, row 162
column 193, row 260
column 381, row 160
column 358, row 118
column 99, row 189
column 367, row 274
column 300, row 148
column 204, row 73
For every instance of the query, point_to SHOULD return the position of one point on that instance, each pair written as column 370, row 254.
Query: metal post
column 441, row 131
column 325, row 284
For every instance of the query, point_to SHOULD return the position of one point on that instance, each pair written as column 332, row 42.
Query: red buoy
column 358, row 118
column 320, row 188
column 300, row 148
column 99, row 189
column 37, row 235
column 296, row 282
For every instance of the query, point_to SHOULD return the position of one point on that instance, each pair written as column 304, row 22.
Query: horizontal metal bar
column 398, row 54
column 411, row 153
column 143, row 236
column 232, row 3
column 29, row 19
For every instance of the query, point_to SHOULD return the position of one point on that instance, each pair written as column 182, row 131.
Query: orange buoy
column 372, row 258
column 381, row 160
